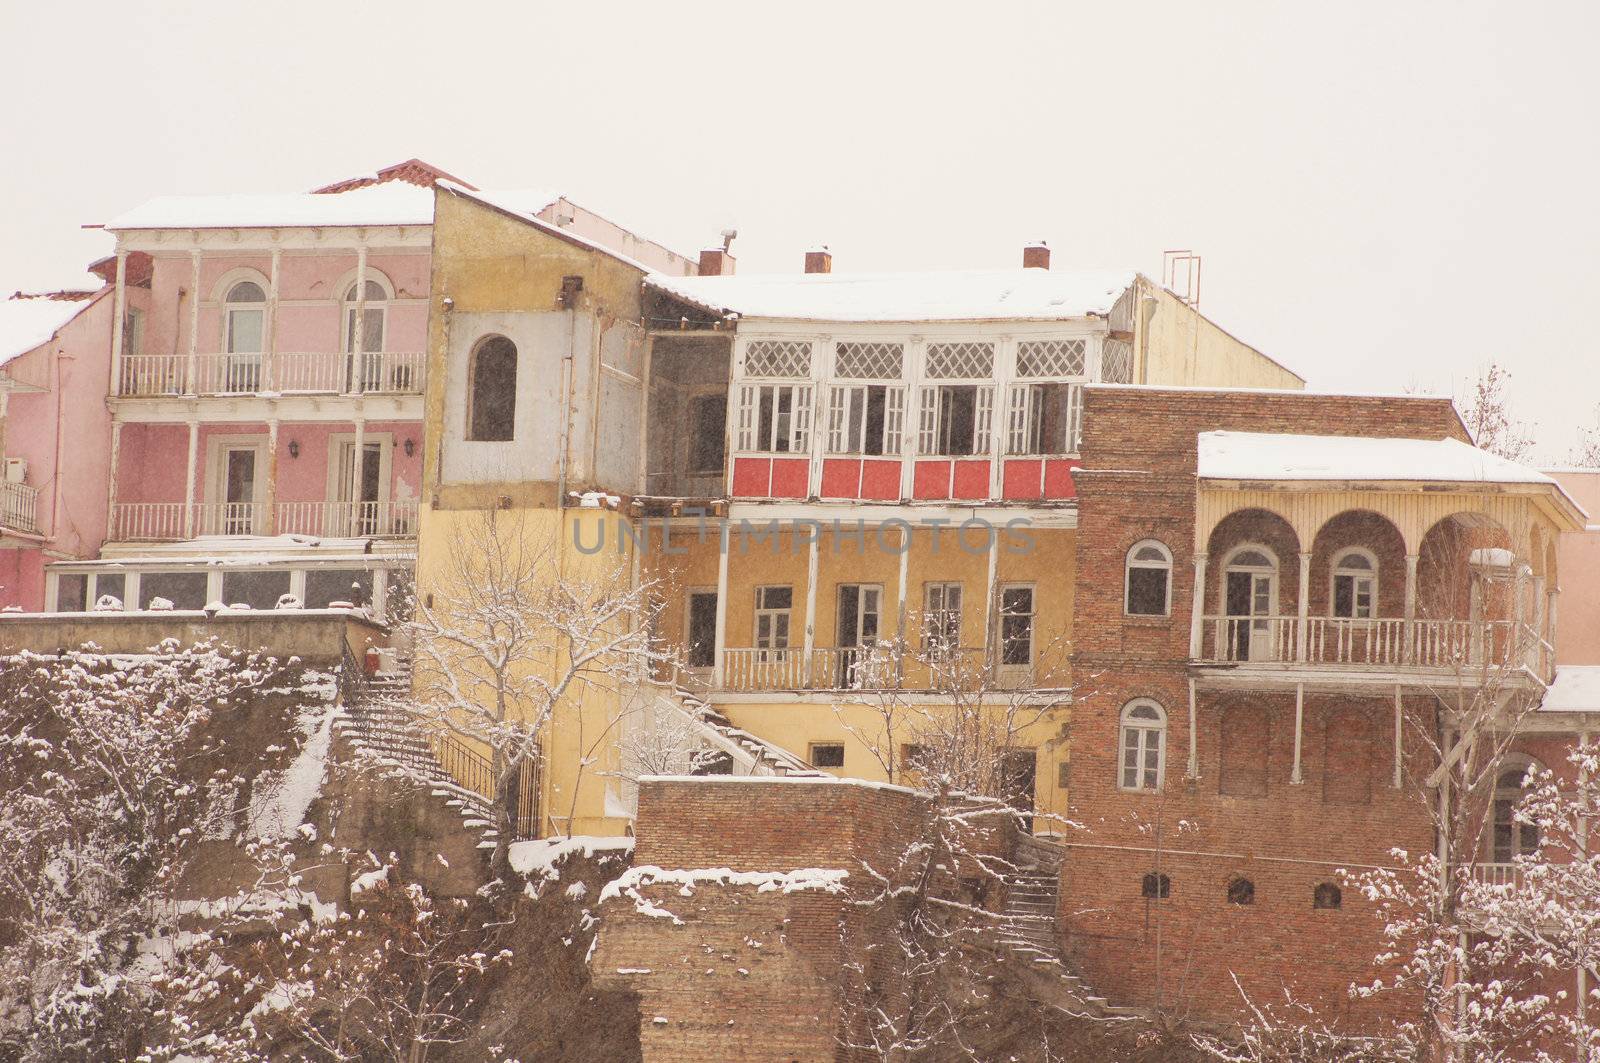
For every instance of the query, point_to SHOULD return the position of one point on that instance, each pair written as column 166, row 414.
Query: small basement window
column 827, row 754
column 1155, row 886
column 1327, row 895
column 1241, row 891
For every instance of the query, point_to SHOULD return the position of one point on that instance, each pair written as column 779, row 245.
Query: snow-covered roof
column 1269, row 456
column 1576, row 689
column 390, row 203
column 964, row 295
column 26, row 323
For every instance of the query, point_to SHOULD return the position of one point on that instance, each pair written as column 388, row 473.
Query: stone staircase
column 383, row 733
column 755, row 756
column 1030, row 935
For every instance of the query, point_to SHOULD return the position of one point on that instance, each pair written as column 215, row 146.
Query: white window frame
column 1024, row 427
column 1145, row 734
column 941, row 621
column 847, row 419
column 1501, row 793
column 1130, row 563
column 798, row 434
column 347, row 316
column 772, row 647
column 1357, row 576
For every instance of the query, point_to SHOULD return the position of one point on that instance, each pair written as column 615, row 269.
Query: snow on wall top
column 1576, row 689
column 1266, row 456
column 390, row 203
column 26, row 323
column 964, row 295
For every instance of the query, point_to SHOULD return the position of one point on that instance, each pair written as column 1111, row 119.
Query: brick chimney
column 1036, row 256
column 715, row 261
column 819, row 260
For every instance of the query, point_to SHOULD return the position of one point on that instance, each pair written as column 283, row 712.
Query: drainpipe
column 55, row 473
column 568, row 371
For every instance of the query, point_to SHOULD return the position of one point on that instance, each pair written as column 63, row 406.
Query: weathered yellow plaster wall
column 1182, row 347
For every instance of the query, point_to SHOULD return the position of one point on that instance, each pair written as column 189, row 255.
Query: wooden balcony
column 283, row 373
column 748, row 670
column 19, row 507
column 1378, row 644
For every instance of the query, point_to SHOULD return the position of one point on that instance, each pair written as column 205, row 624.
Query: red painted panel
column 1019, row 479
column 972, row 480
column 931, row 479
column 750, row 477
column 1058, row 482
column 840, row 477
column 880, row 480
column 791, row 477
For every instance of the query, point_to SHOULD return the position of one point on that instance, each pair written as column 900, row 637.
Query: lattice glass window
column 868, row 361
column 1051, row 358
column 777, row 358
column 960, row 361
column 774, row 418
column 1116, row 362
column 865, row 418
column 1045, row 419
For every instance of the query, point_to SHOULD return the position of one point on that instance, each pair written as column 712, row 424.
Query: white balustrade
column 152, row 375
column 303, row 372
column 147, row 520
column 394, row 519
column 286, row 372
column 19, row 506
column 230, row 518
column 392, row 373
column 1376, row 642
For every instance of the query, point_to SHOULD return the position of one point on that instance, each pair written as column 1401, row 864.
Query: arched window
column 1144, row 745
column 1155, row 886
column 492, row 383
column 1149, row 579
column 1511, row 838
column 1250, row 600
column 1327, row 895
column 244, row 317
column 1355, row 584
column 1241, row 891
column 373, row 316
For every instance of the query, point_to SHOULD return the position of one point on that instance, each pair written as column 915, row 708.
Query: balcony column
column 358, row 327
column 1194, row 741
column 118, row 323
column 190, row 387
column 188, row 477
column 1295, row 776
column 1411, row 608
column 269, row 370
column 358, row 461
column 900, row 603
column 1537, row 605
column 272, row 476
column 111, row 480
column 809, row 638
column 1399, row 737
column 1302, row 625
column 719, row 669
column 1197, row 617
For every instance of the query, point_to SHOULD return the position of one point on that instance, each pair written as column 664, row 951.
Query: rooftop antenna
column 1180, row 275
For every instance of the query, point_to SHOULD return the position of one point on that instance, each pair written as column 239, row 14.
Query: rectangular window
column 775, row 418
column 702, row 629
column 259, row 590
column 827, row 754
column 857, row 633
column 1045, row 419
column 72, row 592
column 772, row 621
column 109, row 583
column 708, row 422
column 865, row 419
column 1352, row 596
column 955, row 420
column 324, row 586
column 941, row 616
column 185, row 590
column 1016, row 626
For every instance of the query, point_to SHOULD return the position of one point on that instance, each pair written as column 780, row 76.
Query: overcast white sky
column 1386, row 194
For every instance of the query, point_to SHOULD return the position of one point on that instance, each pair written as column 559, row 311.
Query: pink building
column 236, row 416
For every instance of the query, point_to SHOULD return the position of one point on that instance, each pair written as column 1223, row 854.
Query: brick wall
column 1248, row 821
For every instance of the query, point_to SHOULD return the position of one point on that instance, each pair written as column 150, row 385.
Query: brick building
column 1365, row 575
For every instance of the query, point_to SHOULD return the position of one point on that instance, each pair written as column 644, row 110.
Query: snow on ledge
column 542, row 855
column 826, row 879
column 788, row 780
column 1576, row 689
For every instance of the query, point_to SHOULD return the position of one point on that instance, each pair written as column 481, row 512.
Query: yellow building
column 853, row 494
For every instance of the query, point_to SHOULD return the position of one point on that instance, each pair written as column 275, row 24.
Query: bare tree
column 1489, row 418
column 1586, row 451
column 509, row 643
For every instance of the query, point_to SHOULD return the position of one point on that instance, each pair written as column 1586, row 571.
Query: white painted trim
column 216, row 474
column 336, row 444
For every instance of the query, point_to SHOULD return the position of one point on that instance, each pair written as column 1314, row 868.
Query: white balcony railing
column 852, row 668
column 383, row 520
column 165, row 521
column 19, row 506
column 1379, row 642
column 286, row 372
